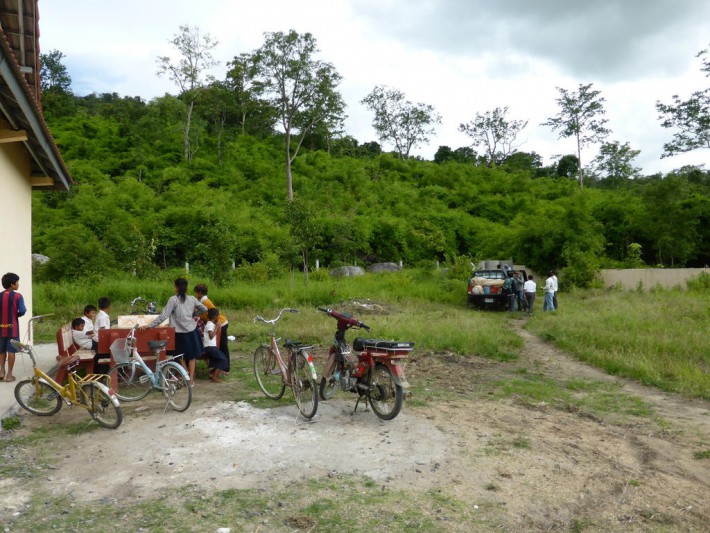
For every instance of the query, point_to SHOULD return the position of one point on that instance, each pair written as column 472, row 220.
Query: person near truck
column 530, row 288
column 549, row 290
column 557, row 288
column 520, row 293
column 510, row 289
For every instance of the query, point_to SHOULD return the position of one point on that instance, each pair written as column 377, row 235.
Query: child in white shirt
column 217, row 359
column 103, row 321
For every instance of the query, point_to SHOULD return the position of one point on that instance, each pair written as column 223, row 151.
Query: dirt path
column 530, row 465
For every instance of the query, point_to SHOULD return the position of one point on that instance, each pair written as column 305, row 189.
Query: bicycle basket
column 120, row 352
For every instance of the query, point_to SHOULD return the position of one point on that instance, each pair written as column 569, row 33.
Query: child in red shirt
column 12, row 307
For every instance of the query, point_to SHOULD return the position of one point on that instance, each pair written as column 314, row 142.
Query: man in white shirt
column 530, row 288
column 557, row 287
column 549, row 290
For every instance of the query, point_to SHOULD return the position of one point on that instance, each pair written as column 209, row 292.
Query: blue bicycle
column 133, row 379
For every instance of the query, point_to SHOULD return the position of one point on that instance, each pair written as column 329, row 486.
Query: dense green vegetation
column 202, row 178
column 138, row 206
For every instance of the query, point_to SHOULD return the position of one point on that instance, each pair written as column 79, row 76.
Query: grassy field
column 658, row 337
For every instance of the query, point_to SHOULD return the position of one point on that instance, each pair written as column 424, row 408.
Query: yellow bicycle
column 43, row 396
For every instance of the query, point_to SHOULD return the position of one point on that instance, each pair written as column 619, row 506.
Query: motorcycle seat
column 360, row 345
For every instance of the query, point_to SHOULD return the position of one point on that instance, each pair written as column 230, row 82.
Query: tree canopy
column 139, row 206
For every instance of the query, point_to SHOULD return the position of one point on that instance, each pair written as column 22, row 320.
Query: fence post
column 187, row 267
column 317, row 264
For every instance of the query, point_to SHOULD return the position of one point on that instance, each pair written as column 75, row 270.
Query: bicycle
column 42, row 396
column 150, row 307
column 134, row 379
column 273, row 374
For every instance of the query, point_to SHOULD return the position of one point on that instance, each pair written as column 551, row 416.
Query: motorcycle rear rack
column 379, row 345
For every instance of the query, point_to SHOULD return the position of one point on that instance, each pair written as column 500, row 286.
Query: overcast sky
column 461, row 56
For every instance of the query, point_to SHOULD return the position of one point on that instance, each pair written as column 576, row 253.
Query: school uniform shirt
column 179, row 314
column 103, row 321
column 80, row 339
column 206, row 341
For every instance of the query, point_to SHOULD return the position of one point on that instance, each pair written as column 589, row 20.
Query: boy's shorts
column 5, row 345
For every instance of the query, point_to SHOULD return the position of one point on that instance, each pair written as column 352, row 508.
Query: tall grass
column 420, row 306
column 659, row 338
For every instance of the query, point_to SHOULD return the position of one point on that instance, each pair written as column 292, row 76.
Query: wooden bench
column 107, row 336
column 68, row 349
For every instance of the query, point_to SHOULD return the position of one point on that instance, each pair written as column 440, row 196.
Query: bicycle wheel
column 268, row 373
column 101, row 407
column 327, row 387
column 385, row 395
column 304, row 387
column 176, row 387
column 38, row 397
column 132, row 382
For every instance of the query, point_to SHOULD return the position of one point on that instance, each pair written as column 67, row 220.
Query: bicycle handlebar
column 274, row 320
column 344, row 319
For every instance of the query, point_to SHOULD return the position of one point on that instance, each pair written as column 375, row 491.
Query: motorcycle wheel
column 385, row 396
column 327, row 388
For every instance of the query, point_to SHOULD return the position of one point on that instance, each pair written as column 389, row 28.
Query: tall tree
column 580, row 117
column 615, row 160
column 691, row 117
column 255, row 115
column 496, row 134
column 189, row 71
column 399, row 121
column 53, row 73
column 303, row 89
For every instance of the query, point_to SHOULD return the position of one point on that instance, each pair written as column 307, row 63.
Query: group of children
column 85, row 335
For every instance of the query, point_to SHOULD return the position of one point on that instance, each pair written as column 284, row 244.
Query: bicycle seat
column 295, row 344
column 157, row 345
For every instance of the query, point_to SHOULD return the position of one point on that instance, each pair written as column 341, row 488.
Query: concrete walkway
column 46, row 359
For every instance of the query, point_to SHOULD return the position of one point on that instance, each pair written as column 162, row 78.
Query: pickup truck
column 485, row 289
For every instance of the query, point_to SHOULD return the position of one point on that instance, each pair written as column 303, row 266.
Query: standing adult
column 520, row 294
column 179, row 311
column 549, row 290
column 200, row 292
column 557, row 287
column 530, row 288
column 12, row 307
column 510, row 289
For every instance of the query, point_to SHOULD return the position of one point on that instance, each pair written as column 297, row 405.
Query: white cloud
column 462, row 56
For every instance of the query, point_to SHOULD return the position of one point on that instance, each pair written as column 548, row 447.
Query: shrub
column 699, row 284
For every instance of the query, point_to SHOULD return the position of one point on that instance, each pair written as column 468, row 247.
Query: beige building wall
column 16, row 220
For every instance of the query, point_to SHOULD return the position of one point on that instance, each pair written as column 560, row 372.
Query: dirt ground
column 546, row 468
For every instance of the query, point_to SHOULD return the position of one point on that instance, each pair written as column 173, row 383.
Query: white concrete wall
column 650, row 277
column 16, row 220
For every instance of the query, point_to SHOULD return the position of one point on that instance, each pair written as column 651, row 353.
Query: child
column 78, row 334
column 218, row 361
column 200, row 291
column 88, row 318
column 12, row 307
column 103, row 321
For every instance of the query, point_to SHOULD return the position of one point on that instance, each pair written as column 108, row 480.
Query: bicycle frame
column 298, row 372
column 138, row 360
column 69, row 391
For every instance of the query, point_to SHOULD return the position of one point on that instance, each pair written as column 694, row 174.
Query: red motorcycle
column 376, row 373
